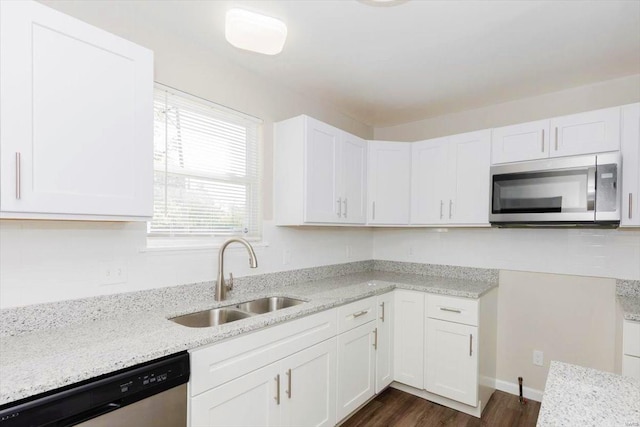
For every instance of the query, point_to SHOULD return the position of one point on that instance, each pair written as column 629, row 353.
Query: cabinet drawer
column 453, row 309
column 356, row 314
column 219, row 363
column 631, row 366
column 631, row 338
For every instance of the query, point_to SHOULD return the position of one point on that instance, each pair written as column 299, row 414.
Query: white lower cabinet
column 409, row 338
column 296, row 391
column 451, row 361
column 356, row 368
column 384, row 344
column 245, row 401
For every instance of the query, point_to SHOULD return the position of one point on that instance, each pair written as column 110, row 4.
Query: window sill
column 166, row 245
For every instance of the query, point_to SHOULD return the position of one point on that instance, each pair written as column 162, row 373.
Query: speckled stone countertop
column 628, row 293
column 577, row 396
column 39, row 361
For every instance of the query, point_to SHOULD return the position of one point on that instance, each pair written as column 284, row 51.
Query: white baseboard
column 512, row 388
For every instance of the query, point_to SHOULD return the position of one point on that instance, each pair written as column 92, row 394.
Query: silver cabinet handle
column 277, row 378
column 441, row 205
column 339, row 202
column 375, row 339
column 470, row 344
column 452, row 310
column 18, row 176
column 450, row 208
column 630, row 205
column 556, row 138
column 289, row 383
column 382, row 305
column 543, row 140
column 360, row 313
column 373, row 210
column 345, row 207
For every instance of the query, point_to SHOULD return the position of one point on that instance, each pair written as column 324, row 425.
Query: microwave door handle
column 591, row 190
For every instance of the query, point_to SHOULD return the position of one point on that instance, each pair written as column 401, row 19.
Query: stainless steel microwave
column 565, row 191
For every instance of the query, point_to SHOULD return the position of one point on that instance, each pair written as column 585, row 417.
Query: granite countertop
column 46, row 359
column 630, row 307
column 578, row 396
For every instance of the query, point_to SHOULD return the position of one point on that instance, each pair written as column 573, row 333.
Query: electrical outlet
column 286, row 256
column 112, row 273
column 538, row 358
column 349, row 251
column 410, row 250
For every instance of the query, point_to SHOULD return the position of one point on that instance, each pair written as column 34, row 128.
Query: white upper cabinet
column 469, row 165
column 319, row 173
column 322, row 163
column 630, row 166
column 450, row 180
column 584, row 133
column 525, row 141
column 429, row 187
column 389, row 182
column 590, row 132
column 76, row 117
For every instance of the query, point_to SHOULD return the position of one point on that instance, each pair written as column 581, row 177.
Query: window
column 206, row 169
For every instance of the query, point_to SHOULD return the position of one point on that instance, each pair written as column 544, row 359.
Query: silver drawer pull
column 289, row 383
column 470, row 345
column 360, row 313
column 277, row 398
column 630, row 205
column 375, row 342
column 382, row 305
column 451, row 310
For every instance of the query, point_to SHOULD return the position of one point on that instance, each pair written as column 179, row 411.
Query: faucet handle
column 230, row 282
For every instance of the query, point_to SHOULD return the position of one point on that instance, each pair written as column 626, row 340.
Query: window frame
column 163, row 241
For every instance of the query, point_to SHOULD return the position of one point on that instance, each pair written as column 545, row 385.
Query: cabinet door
column 469, row 163
column 525, row 141
column 77, row 117
column 429, row 178
column 451, row 361
column 630, row 147
column 409, row 338
column 384, row 350
column 309, row 387
column 322, row 163
column 354, row 179
column 389, row 182
column 356, row 368
column 251, row 400
column 584, row 133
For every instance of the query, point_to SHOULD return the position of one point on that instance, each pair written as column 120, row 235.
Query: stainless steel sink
column 266, row 305
column 214, row 317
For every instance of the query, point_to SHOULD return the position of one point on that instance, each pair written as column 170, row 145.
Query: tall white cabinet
column 630, row 147
column 319, row 172
column 76, row 119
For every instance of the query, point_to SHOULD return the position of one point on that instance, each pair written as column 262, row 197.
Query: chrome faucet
column 221, row 286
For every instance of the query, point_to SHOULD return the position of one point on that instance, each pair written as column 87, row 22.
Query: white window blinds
column 206, row 168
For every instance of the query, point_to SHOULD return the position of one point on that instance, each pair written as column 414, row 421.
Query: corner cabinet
column 76, row 119
column 450, row 180
column 319, row 174
column 584, row 133
column 630, row 147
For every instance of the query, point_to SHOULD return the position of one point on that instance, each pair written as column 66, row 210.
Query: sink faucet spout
column 221, row 286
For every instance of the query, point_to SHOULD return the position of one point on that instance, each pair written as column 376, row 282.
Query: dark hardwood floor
column 399, row 409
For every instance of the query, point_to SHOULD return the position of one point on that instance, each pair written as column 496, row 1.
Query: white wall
column 43, row 261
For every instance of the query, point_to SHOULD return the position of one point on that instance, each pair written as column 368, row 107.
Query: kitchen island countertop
column 578, row 396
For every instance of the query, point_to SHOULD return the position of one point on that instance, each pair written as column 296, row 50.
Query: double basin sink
column 222, row 315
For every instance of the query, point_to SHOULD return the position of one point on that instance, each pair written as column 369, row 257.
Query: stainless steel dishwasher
column 152, row 394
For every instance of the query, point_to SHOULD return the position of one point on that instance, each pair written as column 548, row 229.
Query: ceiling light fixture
column 255, row 32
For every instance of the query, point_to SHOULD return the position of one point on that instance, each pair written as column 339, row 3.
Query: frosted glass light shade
column 255, row 32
